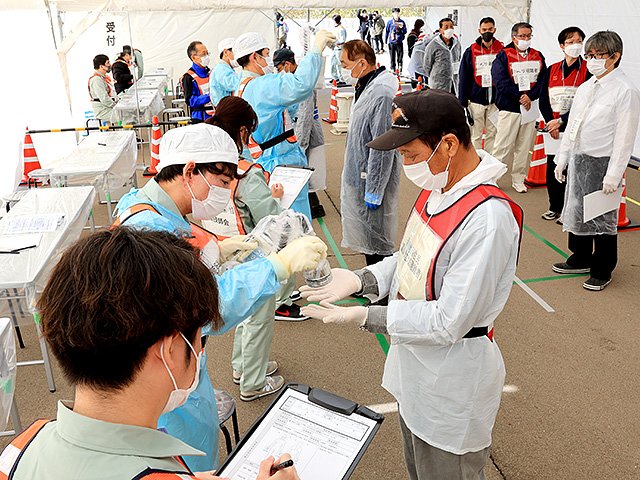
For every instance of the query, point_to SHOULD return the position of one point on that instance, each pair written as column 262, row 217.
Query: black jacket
column 122, row 75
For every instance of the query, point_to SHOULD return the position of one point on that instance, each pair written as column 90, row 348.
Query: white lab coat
column 449, row 388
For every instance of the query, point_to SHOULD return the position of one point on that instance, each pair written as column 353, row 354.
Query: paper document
column 323, row 444
column 13, row 243
column 293, row 179
column 531, row 115
column 31, row 223
column 599, row 203
column 494, row 117
column 551, row 145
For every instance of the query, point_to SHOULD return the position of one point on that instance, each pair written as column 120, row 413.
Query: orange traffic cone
column 419, row 87
column 333, row 106
column 399, row 92
column 156, row 135
column 537, row 176
column 31, row 161
column 623, row 220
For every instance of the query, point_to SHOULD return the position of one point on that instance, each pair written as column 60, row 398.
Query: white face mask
column 234, row 63
column 597, row 66
column 574, row 50
column 420, row 174
column 448, row 33
column 209, row 208
column 350, row 77
column 269, row 68
column 204, row 60
column 179, row 396
column 523, row 44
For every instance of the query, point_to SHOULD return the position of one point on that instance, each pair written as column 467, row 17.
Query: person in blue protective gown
column 274, row 98
column 224, row 81
column 197, row 164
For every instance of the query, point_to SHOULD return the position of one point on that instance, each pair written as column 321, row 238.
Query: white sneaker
column 273, row 385
column 272, row 367
column 519, row 187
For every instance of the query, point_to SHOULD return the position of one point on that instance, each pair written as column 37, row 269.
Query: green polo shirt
column 78, row 447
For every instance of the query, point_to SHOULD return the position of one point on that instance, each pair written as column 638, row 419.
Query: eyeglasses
column 524, row 37
column 590, row 56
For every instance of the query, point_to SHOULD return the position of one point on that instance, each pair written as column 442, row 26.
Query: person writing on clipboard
column 447, row 284
column 142, row 362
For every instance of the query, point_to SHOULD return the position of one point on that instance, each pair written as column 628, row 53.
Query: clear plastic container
column 320, row 276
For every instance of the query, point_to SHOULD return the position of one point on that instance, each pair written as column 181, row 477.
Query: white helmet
column 200, row 143
column 247, row 43
column 225, row 44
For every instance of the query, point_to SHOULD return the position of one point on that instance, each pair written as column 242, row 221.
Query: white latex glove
column 343, row 283
column 303, row 253
column 231, row 245
column 608, row 188
column 329, row 313
column 323, row 39
column 559, row 174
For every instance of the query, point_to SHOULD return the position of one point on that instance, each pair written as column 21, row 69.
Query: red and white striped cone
column 420, row 86
column 333, row 105
column 30, row 156
column 623, row 220
column 156, row 135
column 399, row 92
column 537, row 176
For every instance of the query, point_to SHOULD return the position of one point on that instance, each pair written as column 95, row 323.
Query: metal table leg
column 109, row 208
column 15, row 416
column 45, row 354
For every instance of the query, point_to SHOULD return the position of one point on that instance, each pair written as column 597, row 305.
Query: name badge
column 487, row 81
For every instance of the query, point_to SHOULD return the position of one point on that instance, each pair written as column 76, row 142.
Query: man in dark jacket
column 121, row 72
column 394, row 36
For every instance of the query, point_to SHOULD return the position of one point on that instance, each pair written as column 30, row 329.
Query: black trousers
column 371, row 259
column 599, row 252
column 379, row 44
column 555, row 189
column 396, row 51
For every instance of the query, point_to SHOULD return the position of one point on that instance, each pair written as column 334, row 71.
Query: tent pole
column 529, row 11
column 329, row 13
column 53, row 31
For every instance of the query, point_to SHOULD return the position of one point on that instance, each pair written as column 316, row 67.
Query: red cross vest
column 256, row 149
column 524, row 71
column 203, row 88
column 426, row 235
column 107, row 81
column 563, row 90
column 229, row 222
column 482, row 58
column 12, row 454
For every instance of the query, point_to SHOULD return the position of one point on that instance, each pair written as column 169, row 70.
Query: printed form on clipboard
column 293, row 179
column 325, row 435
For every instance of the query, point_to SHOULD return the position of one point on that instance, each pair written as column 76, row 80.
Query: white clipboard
column 325, row 435
column 293, row 179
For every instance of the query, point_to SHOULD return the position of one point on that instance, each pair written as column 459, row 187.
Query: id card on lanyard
column 483, row 68
column 525, row 73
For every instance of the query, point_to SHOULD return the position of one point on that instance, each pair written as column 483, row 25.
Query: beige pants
column 481, row 122
column 514, row 143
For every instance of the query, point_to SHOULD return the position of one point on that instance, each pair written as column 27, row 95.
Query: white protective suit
column 416, row 62
column 441, row 64
column 370, row 175
column 449, row 388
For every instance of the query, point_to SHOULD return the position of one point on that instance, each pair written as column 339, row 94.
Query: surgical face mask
column 574, row 50
column 523, row 44
column 209, row 208
column 234, row 63
column 179, row 396
column 487, row 36
column 269, row 67
column 421, row 174
column 350, row 77
column 597, row 66
column 448, row 33
column 204, row 60
column 108, row 69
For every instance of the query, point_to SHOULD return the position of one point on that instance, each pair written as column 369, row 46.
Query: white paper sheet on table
column 531, row 115
column 599, row 203
column 31, row 223
column 293, row 179
column 323, row 444
column 10, row 243
column 551, row 145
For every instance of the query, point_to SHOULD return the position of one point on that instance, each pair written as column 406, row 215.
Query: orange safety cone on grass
column 537, row 176
column 156, row 135
column 333, row 106
column 31, row 161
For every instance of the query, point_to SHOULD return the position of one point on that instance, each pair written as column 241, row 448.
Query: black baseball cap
column 417, row 113
column 283, row 55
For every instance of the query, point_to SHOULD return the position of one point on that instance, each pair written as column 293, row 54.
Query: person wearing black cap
column 447, row 284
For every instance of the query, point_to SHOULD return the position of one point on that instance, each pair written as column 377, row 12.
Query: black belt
column 476, row 332
column 276, row 140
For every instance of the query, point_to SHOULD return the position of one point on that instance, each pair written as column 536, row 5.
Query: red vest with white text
column 479, row 50
column 563, row 90
column 514, row 58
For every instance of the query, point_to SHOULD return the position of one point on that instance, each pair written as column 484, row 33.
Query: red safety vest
column 442, row 226
column 563, row 90
column 255, row 150
column 478, row 50
column 106, row 79
column 229, row 222
column 13, row 453
column 203, row 88
column 513, row 57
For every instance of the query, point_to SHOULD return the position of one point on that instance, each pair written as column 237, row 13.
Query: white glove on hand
column 303, row 253
column 608, row 188
column 343, row 283
column 323, row 39
column 234, row 244
column 559, row 174
column 329, row 313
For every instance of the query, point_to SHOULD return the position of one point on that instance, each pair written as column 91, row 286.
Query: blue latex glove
column 371, row 206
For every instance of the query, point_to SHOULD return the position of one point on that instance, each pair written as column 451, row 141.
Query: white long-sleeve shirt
column 449, row 388
column 604, row 116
